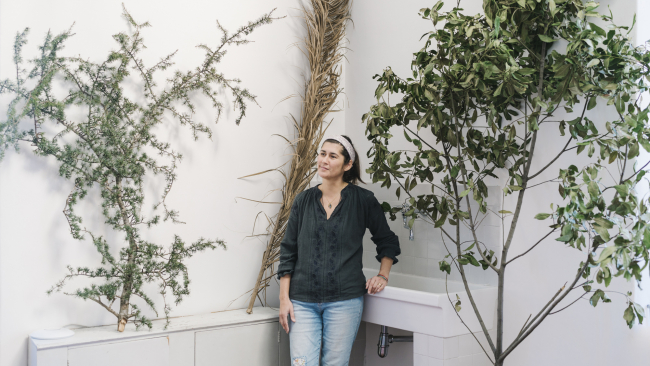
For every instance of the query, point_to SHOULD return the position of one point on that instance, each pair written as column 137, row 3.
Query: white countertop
column 178, row 324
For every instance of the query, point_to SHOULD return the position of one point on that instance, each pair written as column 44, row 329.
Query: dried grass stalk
column 326, row 22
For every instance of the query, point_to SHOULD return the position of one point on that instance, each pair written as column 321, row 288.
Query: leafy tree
column 104, row 137
column 485, row 86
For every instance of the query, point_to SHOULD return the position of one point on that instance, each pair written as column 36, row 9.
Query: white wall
column 386, row 33
column 422, row 255
column 35, row 243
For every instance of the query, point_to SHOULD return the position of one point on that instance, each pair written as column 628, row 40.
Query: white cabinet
column 224, row 338
column 146, row 352
column 244, row 345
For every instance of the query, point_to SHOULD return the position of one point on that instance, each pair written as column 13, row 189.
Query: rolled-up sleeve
column 385, row 239
column 289, row 244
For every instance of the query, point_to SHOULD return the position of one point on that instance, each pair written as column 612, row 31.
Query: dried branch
column 326, row 23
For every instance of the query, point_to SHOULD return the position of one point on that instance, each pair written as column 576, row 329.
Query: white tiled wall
column 421, row 256
column 454, row 351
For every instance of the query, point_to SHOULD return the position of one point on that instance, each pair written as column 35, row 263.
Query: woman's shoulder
column 363, row 192
column 300, row 197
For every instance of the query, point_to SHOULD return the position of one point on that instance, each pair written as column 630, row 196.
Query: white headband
column 346, row 145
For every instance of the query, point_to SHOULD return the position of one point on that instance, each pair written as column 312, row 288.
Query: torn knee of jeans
column 299, row 361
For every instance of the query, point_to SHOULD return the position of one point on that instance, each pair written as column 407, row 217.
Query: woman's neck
column 330, row 188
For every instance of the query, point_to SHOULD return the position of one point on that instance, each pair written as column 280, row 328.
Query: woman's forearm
column 284, row 286
column 384, row 270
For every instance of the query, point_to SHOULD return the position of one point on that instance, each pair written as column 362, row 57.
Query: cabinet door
column 255, row 344
column 285, row 355
column 146, row 352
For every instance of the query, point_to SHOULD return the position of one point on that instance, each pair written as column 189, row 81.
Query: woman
column 321, row 281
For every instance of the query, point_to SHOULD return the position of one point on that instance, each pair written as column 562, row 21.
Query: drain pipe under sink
column 385, row 339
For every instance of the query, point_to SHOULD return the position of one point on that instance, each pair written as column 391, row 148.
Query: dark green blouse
column 324, row 256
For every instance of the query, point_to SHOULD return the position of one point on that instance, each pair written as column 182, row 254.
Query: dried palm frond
column 326, row 22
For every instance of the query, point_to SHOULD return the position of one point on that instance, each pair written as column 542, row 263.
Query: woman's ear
column 349, row 165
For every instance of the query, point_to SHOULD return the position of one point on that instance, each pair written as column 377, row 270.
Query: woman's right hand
column 286, row 308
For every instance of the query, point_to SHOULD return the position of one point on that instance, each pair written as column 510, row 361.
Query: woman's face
column 330, row 161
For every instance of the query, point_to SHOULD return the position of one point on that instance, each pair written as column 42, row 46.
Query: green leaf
column 546, row 39
column 640, row 312
column 629, row 316
column 445, row 267
column 542, row 216
column 645, row 144
column 428, row 69
column 622, row 190
column 498, row 91
column 597, row 29
column 472, row 260
column 601, row 221
column 593, row 62
column 565, row 238
column 594, row 191
column 414, row 183
column 408, row 138
column 412, row 117
column 440, row 221
column 606, row 253
column 592, row 103
column 380, row 91
column 634, row 150
column 604, row 234
column 428, row 94
column 464, row 193
column 599, row 294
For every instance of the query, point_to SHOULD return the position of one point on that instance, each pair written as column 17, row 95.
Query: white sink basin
column 420, row 305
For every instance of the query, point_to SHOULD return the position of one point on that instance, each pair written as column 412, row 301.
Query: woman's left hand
column 375, row 284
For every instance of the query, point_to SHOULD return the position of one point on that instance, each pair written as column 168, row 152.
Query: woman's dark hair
column 353, row 175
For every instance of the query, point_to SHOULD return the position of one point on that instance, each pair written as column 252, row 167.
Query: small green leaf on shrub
column 546, row 38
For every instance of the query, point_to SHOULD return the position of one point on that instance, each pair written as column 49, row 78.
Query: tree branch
column 554, row 159
column 460, row 266
column 544, row 313
column 533, row 247
column 462, row 321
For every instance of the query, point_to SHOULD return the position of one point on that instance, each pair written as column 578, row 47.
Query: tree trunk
column 127, row 286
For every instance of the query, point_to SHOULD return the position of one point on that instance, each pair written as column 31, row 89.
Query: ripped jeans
column 335, row 323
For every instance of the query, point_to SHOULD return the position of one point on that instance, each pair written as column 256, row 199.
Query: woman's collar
column 344, row 191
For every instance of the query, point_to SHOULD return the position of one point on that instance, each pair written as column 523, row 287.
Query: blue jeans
column 335, row 323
